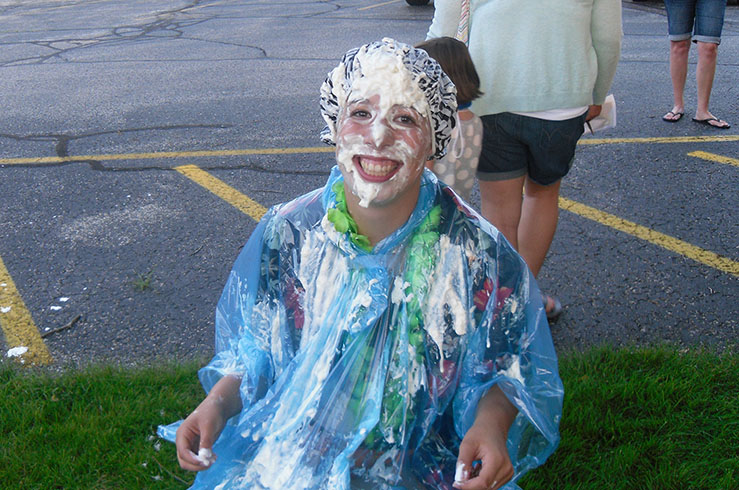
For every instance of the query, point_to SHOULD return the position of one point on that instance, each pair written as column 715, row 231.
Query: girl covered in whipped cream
column 377, row 332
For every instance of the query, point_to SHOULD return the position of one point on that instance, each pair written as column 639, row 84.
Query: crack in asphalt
column 99, row 166
column 168, row 24
column 62, row 141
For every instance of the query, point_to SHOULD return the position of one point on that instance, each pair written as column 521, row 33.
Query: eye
column 406, row 116
column 359, row 113
column 407, row 119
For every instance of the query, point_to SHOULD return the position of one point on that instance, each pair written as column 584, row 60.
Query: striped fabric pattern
column 463, row 30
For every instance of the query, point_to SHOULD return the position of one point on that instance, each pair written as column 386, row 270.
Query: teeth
column 375, row 169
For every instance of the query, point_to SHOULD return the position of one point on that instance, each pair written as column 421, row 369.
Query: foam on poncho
column 359, row 371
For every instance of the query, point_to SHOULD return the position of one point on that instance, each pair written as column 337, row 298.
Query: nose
column 382, row 134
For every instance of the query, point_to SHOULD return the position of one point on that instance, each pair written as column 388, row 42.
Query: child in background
column 457, row 168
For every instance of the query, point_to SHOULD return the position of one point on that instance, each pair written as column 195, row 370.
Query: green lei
column 420, row 261
column 342, row 220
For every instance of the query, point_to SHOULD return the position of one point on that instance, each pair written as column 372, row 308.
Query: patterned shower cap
column 439, row 91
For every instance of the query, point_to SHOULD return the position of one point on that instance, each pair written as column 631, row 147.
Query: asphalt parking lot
column 141, row 141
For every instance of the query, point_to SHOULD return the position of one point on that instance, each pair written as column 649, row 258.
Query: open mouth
column 374, row 169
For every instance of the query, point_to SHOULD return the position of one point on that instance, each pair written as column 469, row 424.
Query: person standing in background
column 457, row 168
column 545, row 68
column 702, row 20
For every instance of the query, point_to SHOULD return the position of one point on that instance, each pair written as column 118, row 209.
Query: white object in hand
column 205, row 456
column 606, row 119
column 460, row 474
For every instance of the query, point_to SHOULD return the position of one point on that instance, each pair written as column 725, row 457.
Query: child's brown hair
column 455, row 60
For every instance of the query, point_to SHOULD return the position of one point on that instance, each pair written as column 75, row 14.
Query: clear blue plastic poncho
column 363, row 369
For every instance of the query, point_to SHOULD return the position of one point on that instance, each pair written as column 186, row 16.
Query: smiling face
column 382, row 146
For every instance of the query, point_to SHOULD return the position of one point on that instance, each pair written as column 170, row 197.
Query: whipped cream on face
column 386, row 76
column 368, row 191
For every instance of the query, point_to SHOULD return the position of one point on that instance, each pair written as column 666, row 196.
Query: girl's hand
column 485, row 442
column 198, row 432
column 488, row 447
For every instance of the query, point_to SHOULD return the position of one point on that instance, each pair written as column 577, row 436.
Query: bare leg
column 678, row 73
column 707, row 55
column 501, row 205
column 539, row 216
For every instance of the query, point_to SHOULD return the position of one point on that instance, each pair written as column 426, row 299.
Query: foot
column 713, row 122
column 552, row 307
column 673, row 116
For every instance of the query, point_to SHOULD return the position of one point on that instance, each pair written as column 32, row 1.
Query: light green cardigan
column 535, row 55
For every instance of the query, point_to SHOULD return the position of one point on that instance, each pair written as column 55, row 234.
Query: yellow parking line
column 317, row 149
column 17, row 323
column 167, row 154
column 704, row 155
column 671, row 139
column 20, row 330
column 256, row 211
column 378, row 5
column 706, row 257
column 240, row 201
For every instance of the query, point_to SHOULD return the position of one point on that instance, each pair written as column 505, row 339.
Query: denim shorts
column 706, row 16
column 515, row 145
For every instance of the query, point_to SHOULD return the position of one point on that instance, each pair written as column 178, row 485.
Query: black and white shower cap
column 440, row 92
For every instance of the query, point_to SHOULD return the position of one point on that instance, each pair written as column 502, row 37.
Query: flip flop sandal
column 707, row 122
column 673, row 117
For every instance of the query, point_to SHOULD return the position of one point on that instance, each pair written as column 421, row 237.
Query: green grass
column 142, row 282
column 94, row 428
column 633, row 418
column 648, row 419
